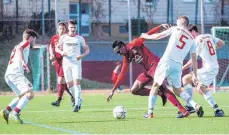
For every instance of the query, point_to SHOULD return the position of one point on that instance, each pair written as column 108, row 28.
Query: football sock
column 77, row 94
column 21, row 104
column 188, row 89
column 209, row 98
column 72, row 90
column 151, row 102
column 173, row 100
column 12, row 104
column 184, row 95
column 61, row 88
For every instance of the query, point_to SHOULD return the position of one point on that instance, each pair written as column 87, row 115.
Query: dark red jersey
column 54, row 40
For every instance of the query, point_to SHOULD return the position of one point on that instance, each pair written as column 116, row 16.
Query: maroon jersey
column 139, row 53
column 53, row 42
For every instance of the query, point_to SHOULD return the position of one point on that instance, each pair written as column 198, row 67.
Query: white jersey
column 206, row 49
column 180, row 43
column 15, row 65
column 71, row 46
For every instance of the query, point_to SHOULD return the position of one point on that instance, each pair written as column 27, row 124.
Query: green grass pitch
column 96, row 117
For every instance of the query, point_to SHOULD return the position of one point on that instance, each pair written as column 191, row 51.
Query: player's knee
column 61, row 80
column 134, row 91
column 30, row 95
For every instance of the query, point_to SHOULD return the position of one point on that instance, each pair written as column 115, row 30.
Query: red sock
column 172, row 98
column 17, row 110
column 8, row 108
column 61, row 88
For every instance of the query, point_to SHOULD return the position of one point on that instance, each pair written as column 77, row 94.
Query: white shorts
column 170, row 70
column 72, row 72
column 207, row 76
column 18, row 83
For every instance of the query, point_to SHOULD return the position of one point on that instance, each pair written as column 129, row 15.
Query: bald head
column 182, row 21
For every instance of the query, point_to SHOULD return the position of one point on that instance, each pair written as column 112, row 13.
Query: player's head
column 194, row 30
column 61, row 28
column 30, row 36
column 119, row 47
column 182, row 21
column 72, row 26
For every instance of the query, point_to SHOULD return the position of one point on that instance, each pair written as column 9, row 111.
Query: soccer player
column 136, row 51
column 72, row 64
column 16, row 79
column 57, row 59
column 170, row 65
column 206, row 49
column 115, row 74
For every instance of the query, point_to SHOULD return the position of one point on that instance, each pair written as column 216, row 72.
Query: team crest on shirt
column 137, row 57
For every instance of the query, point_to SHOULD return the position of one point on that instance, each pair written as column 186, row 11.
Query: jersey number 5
column 210, row 48
column 182, row 42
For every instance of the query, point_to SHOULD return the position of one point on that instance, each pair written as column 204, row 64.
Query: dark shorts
column 59, row 68
column 147, row 77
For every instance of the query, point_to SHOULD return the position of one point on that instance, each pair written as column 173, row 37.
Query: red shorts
column 147, row 77
column 59, row 68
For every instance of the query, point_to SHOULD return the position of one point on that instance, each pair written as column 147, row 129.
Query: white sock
column 13, row 103
column 209, row 98
column 188, row 89
column 77, row 94
column 22, row 102
column 72, row 90
column 151, row 102
column 184, row 95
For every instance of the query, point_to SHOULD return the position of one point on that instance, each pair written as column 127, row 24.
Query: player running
column 56, row 58
column 16, row 79
column 72, row 60
column 206, row 49
column 136, row 51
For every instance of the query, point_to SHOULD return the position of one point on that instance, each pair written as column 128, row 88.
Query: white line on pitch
column 52, row 127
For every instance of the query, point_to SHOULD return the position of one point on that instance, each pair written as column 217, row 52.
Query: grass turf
column 96, row 117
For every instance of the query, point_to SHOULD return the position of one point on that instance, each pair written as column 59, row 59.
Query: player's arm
column 220, row 44
column 120, row 78
column 194, row 63
column 59, row 47
column 187, row 65
column 20, row 49
column 86, row 50
column 157, row 36
column 51, row 51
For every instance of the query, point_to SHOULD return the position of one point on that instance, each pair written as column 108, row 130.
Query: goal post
column 40, row 67
column 221, row 82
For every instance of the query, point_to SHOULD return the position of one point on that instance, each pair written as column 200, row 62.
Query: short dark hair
column 74, row 22
column 118, row 43
column 61, row 24
column 29, row 32
column 193, row 27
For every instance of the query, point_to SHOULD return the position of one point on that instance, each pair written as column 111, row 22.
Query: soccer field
column 96, row 117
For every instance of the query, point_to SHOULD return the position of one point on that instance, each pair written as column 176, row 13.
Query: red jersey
column 137, row 52
column 54, row 40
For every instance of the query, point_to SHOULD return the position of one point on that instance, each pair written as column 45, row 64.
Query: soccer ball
column 119, row 112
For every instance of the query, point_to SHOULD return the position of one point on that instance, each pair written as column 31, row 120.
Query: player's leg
column 174, row 79
column 5, row 112
column 171, row 97
column 24, row 91
column 205, row 78
column 187, row 85
column 159, row 77
column 77, row 76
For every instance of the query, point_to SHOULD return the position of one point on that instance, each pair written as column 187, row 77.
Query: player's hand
column 194, row 80
column 110, row 96
column 79, row 57
column 166, row 26
column 26, row 68
column 144, row 36
column 52, row 57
